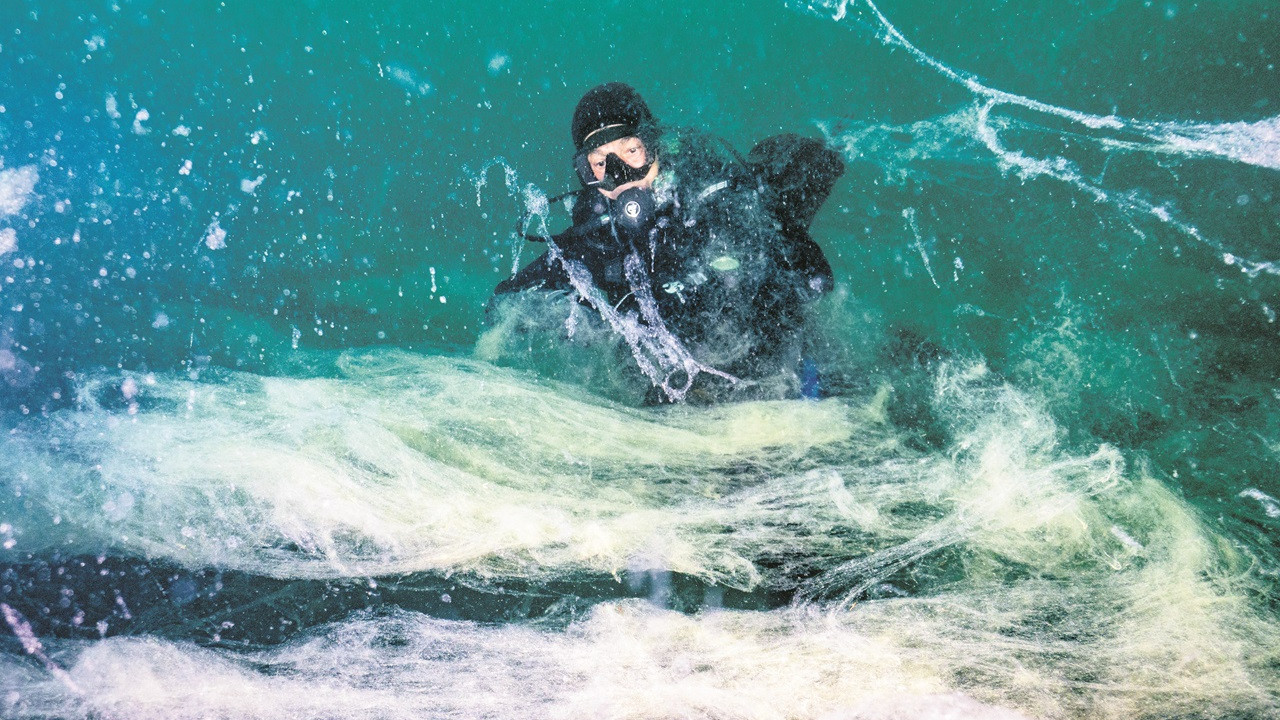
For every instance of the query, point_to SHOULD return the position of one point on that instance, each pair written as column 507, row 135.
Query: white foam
column 1270, row 505
column 498, row 63
column 1046, row 583
column 1033, row 649
column 1253, row 143
column 215, row 238
column 407, row 79
column 16, row 188
column 112, row 106
column 416, row 466
column 249, row 186
column 140, row 117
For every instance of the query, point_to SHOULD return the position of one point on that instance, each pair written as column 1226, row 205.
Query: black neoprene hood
column 606, row 105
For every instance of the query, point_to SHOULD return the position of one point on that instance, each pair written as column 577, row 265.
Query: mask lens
column 616, row 171
column 582, row 166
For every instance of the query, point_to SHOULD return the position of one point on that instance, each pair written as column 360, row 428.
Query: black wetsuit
column 729, row 258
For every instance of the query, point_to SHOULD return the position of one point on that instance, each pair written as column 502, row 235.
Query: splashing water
column 1113, row 596
column 660, row 355
column 32, row 646
column 274, row 478
column 1252, row 143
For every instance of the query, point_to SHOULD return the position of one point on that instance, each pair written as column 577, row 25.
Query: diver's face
column 630, row 150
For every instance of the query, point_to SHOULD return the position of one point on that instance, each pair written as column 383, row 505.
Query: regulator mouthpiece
column 635, row 210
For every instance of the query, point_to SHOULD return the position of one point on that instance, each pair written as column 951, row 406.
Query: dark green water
column 259, row 462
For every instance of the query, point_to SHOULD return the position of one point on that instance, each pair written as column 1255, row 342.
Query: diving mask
column 616, row 170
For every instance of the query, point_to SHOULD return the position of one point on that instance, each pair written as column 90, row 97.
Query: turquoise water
column 265, row 458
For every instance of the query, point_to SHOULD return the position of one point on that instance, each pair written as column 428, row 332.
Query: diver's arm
column 542, row 274
column 545, row 272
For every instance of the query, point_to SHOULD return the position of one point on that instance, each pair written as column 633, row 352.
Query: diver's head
column 615, row 136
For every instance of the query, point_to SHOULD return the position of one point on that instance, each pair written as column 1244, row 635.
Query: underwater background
column 263, row 457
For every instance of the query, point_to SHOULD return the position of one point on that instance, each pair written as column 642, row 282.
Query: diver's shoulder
column 685, row 141
column 696, row 158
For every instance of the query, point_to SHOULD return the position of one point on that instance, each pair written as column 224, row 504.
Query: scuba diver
column 615, row 139
column 699, row 258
